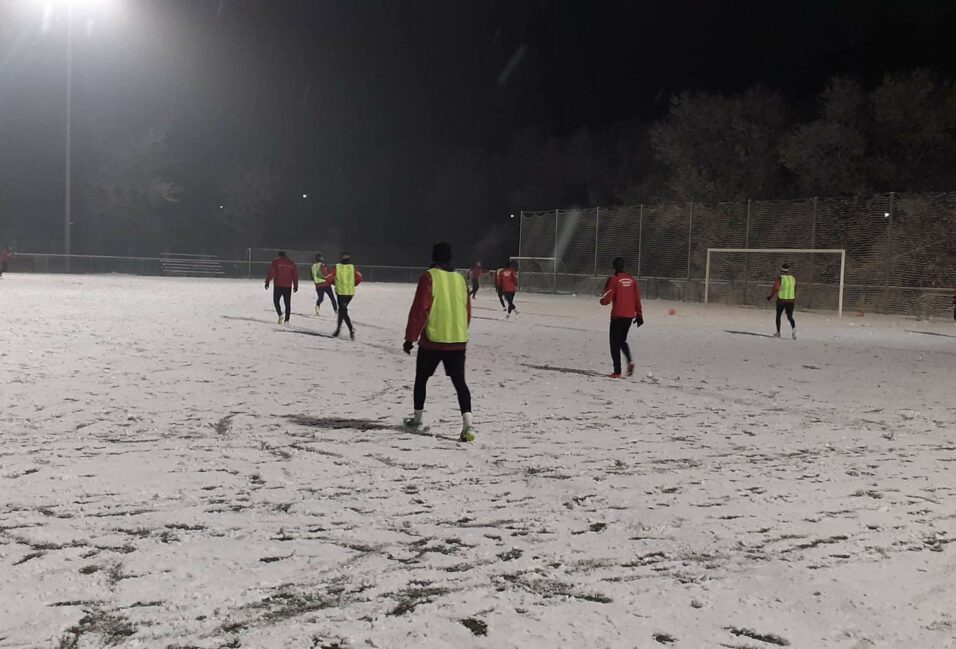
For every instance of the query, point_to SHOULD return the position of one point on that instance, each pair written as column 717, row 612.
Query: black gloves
column 639, row 320
column 407, row 347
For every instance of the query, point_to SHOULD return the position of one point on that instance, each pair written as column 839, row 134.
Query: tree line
column 146, row 190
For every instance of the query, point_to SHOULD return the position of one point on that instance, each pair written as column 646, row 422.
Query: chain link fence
column 901, row 250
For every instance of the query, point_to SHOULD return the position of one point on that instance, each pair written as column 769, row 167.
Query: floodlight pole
column 69, row 137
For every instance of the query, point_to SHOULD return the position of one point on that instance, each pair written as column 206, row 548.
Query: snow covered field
column 177, row 470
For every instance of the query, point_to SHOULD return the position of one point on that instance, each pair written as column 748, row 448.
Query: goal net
column 745, row 276
column 542, row 275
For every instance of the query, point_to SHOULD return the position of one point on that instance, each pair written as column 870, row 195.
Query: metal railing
column 27, row 262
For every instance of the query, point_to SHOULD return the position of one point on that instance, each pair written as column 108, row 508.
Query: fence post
column 554, row 263
column 747, row 255
column 813, row 246
column 889, row 252
column 597, row 232
column 690, row 235
column 640, row 238
column 249, row 263
column 520, row 230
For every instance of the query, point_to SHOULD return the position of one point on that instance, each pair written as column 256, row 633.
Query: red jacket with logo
column 622, row 293
column 418, row 316
column 285, row 273
column 508, row 280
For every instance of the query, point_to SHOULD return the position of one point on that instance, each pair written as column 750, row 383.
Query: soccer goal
column 734, row 274
column 537, row 274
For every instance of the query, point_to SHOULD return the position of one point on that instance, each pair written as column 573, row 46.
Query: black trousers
column 618, row 338
column 511, row 302
column 788, row 307
column 344, row 313
column 321, row 292
column 4, row 267
column 501, row 298
column 283, row 293
column 454, row 362
column 474, row 287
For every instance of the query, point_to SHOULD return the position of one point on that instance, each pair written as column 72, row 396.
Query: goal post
column 541, row 271
column 777, row 253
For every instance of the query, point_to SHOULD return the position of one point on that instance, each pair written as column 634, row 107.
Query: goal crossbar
column 786, row 251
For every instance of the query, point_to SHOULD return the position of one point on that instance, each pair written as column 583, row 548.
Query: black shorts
column 428, row 360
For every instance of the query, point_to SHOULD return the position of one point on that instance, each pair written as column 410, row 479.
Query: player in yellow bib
column 345, row 276
column 785, row 288
column 438, row 321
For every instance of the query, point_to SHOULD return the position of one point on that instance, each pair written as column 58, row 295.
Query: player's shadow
column 929, row 333
column 304, row 332
column 746, row 333
column 564, row 370
column 361, row 425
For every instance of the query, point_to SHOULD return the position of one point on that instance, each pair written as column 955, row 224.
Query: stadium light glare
column 512, row 216
column 886, row 215
column 305, row 195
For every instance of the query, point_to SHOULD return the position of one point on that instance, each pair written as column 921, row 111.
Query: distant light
column 886, row 215
column 220, row 207
column 512, row 216
column 305, row 195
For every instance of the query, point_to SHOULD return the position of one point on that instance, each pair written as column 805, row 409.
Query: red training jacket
column 508, row 280
column 476, row 272
column 621, row 290
column 330, row 278
column 285, row 273
column 418, row 316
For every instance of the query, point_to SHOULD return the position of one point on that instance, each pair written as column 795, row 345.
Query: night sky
column 361, row 102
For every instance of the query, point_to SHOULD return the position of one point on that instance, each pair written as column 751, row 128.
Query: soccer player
column 475, row 274
column 439, row 320
column 345, row 277
column 509, row 286
column 286, row 275
column 322, row 288
column 501, row 298
column 622, row 293
column 5, row 256
column 785, row 288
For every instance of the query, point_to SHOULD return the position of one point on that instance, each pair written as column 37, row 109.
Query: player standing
column 345, row 277
column 5, row 256
column 322, row 288
column 439, row 320
column 475, row 274
column 509, row 286
column 622, row 293
column 785, row 288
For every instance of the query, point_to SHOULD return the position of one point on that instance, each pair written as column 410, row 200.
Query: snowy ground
column 178, row 471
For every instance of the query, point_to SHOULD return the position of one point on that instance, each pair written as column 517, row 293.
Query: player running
column 322, row 288
column 501, row 297
column 439, row 320
column 345, row 277
column 785, row 288
column 475, row 274
column 286, row 275
column 509, row 286
column 622, row 293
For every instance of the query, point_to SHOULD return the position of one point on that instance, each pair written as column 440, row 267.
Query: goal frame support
column 781, row 251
